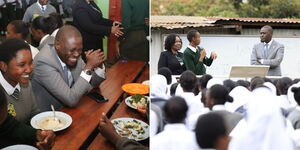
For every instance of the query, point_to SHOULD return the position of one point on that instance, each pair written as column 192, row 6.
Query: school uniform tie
column 43, row 9
column 266, row 50
column 16, row 93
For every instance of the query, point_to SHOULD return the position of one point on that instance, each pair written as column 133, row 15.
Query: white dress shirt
column 8, row 87
column 174, row 137
column 192, row 48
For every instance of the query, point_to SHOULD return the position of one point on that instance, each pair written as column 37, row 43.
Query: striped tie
column 16, row 93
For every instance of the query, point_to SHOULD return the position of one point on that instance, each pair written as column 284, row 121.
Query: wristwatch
column 88, row 71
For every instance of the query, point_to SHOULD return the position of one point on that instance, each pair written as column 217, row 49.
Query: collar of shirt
column 44, row 38
column 218, row 107
column 269, row 43
column 7, row 87
column 175, row 127
column 45, row 6
column 192, row 48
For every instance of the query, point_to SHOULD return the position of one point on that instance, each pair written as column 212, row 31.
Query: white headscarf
column 241, row 96
column 271, row 86
column 158, row 87
column 265, row 125
column 213, row 81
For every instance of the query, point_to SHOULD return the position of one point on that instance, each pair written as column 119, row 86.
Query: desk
column 87, row 113
column 122, row 111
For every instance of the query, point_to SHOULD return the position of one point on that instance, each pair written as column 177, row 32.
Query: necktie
column 43, row 8
column 68, row 76
column 16, row 93
column 266, row 50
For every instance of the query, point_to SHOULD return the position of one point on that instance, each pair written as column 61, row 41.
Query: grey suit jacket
column 49, row 85
column 49, row 40
column 274, row 58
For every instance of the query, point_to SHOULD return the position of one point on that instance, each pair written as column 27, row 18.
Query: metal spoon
column 53, row 110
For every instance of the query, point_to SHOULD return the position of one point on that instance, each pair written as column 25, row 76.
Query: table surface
column 122, row 111
column 87, row 113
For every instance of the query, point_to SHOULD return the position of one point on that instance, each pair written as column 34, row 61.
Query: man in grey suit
column 60, row 76
column 269, row 52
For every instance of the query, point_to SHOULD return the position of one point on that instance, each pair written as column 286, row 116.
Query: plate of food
column 135, row 88
column 46, row 121
column 137, row 100
column 131, row 128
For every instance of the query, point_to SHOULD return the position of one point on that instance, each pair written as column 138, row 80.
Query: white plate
column 146, row 82
column 135, row 135
column 128, row 102
column 20, row 147
column 64, row 118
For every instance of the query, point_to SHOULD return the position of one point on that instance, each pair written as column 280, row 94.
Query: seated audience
column 175, row 135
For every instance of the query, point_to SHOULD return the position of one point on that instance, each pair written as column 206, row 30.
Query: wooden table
column 122, row 111
column 87, row 113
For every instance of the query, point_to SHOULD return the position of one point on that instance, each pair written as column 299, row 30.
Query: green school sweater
column 192, row 63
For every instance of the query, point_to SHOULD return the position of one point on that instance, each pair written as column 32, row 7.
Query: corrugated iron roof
column 177, row 22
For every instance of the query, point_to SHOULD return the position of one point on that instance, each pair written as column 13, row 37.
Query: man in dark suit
column 268, row 52
column 60, row 77
column 88, row 19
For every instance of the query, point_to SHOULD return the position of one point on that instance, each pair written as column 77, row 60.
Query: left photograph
column 74, row 74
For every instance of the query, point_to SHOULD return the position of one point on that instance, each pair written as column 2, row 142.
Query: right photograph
column 224, row 75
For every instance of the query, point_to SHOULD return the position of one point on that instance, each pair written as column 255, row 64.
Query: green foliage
column 228, row 8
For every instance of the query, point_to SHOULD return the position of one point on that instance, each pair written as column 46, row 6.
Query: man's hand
column 202, row 55
column 116, row 29
column 94, row 59
column 108, row 130
column 213, row 55
column 45, row 139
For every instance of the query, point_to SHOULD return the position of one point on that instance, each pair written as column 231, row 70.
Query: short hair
column 229, row 84
column 243, row 83
column 173, row 88
column 220, row 94
column 45, row 24
column 209, row 128
column 166, row 72
column 175, row 110
column 283, row 85
column 203, row 96
column 204, row 80
column 256, row 82
column 170, row 41
column 57, row 20
column 67, row 31
column 188, row 81
column 268, row 27
column 191, row 34
column 10, row 47
column 20, row 27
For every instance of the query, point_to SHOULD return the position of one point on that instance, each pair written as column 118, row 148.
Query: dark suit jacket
column 168, row 59
column 91, row 24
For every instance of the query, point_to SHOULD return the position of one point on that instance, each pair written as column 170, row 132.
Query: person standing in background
column 135, row 20
column 40, row 8
column 88, row 19
column 268, row 52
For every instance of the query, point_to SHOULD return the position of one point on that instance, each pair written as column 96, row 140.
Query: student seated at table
column 121, row 143
column 14, row 132
column 20, row 29
column 41, row 28
column 60, row 77
column 16, row 66
column 175, row 135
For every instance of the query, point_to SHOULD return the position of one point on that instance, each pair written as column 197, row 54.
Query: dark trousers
column 135, row 46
